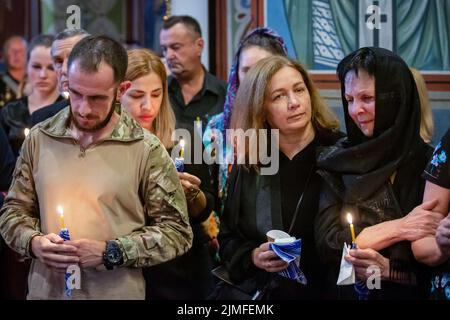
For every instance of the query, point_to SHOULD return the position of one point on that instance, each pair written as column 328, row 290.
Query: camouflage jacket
column 124, row 187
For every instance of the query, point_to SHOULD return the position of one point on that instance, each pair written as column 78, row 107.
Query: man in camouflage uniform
column 123, row 203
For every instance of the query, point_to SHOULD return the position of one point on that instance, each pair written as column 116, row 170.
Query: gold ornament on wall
column 168, row 9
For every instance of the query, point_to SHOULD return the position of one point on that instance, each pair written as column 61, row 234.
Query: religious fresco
column 238, row 19
column 321, row 32
column 96, row 16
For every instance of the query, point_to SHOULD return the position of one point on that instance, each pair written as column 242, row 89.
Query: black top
column 206, row 103
column 48, row 111
column 14, row 118
column 293, row 177
column 258, row 203
column 438, row 172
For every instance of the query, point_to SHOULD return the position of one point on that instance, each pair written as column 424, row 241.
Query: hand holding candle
column 352, row 229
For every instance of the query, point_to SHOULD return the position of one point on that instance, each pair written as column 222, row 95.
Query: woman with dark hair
column 260, row 43
column 15, row 117
column 375, row 174
column 277, row 93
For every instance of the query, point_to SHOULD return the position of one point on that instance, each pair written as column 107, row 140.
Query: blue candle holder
column 64, row 233
column 179, row 164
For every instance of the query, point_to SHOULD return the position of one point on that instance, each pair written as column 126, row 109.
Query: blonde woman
column 276, row 93
column 147, row 100
column 16, row 115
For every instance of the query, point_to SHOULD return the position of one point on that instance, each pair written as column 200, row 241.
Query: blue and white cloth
column 290, row 252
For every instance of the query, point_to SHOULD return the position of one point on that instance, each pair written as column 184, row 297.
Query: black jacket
column 332, row 230
column 48, row 111
column 253, row 207
column 14, row 118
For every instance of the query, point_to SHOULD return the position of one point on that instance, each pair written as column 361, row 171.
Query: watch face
column 114, row 254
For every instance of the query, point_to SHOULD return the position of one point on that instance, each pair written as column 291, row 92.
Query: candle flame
column 349, row 218
column 182, row 143
column 26, row 132
column 60, row 211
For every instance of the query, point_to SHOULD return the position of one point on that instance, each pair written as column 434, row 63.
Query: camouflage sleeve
column 168, row 233
column 19, row 218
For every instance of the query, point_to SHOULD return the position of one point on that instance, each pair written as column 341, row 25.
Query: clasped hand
column 58, row 254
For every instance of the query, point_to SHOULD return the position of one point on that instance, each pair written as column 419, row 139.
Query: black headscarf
column 366, row 162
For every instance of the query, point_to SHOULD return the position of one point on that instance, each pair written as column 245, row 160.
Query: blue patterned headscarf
column 221, row 122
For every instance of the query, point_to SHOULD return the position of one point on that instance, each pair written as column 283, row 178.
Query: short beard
column 98, row 126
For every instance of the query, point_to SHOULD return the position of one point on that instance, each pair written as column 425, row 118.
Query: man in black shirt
column 193, row 91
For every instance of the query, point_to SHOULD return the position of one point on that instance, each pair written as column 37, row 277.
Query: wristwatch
column 113, row 255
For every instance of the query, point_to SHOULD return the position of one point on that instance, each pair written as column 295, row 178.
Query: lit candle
column 61, row 217
column 352, row 229
column 182, row 149
column 26, row 132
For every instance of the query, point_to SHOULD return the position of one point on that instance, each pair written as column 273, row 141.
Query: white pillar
column 197, row 9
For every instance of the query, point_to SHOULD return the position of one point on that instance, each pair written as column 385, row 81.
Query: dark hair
column 92, row 50
column 69, row 33
column 187, row 21
column 362, row 59
column 264, row 41
column 41, row 40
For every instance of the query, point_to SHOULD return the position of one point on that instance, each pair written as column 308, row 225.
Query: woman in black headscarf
column 375, row 174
